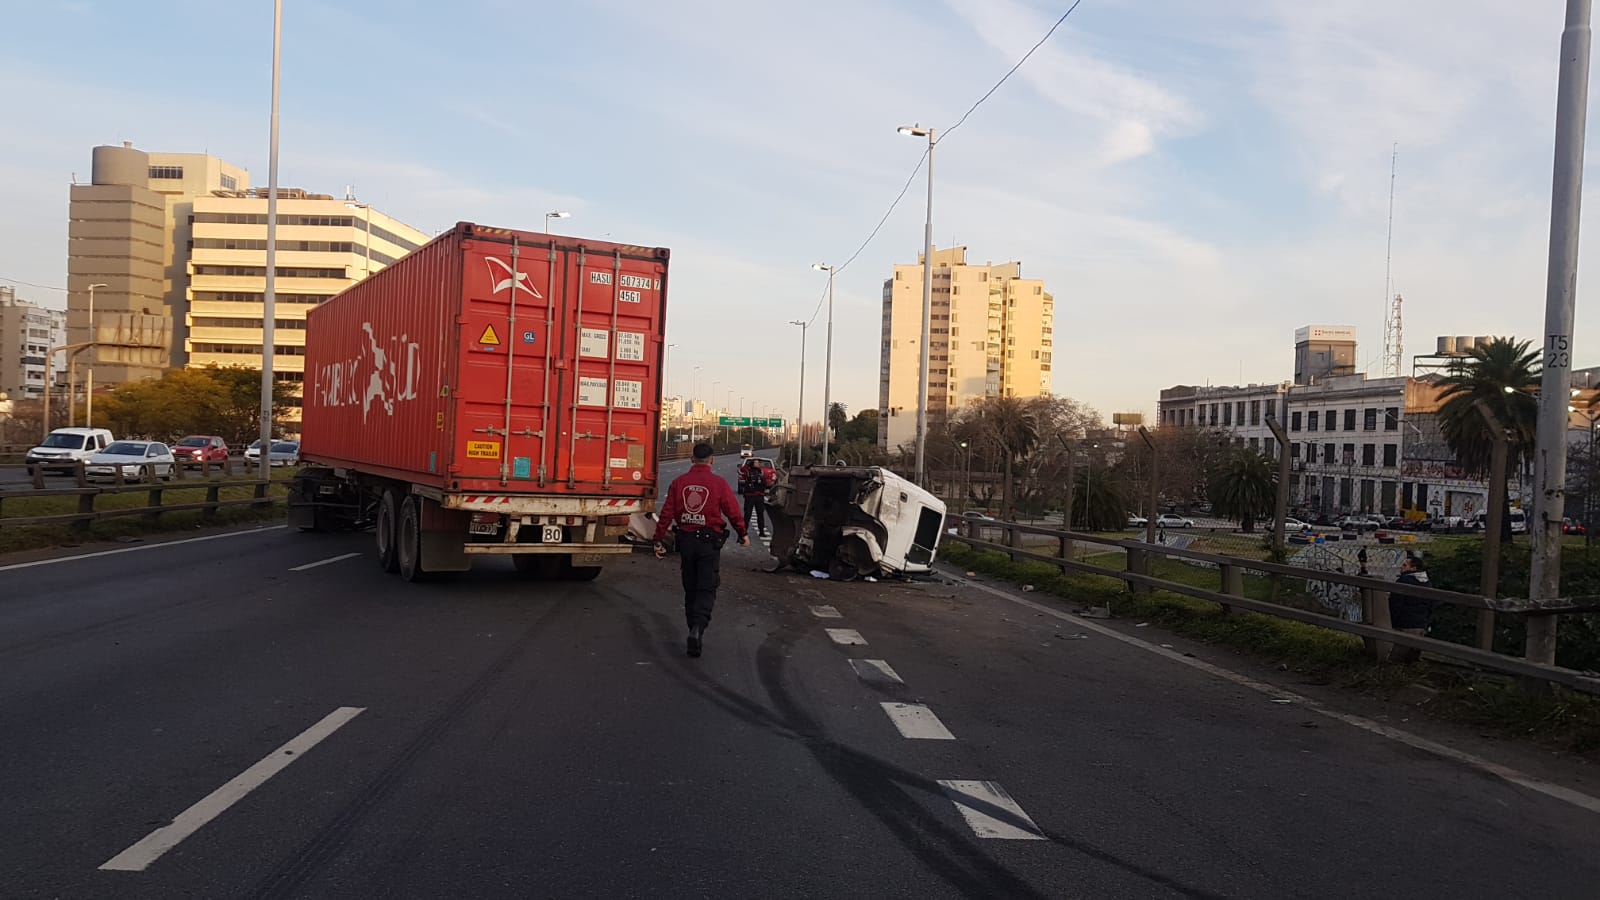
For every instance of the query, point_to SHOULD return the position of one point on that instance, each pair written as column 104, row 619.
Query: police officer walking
column 701, row 506
column 753, row 486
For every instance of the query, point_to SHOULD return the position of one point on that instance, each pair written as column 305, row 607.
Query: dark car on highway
column 197, row 449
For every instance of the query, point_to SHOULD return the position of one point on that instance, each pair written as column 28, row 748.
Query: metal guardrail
column 1374, row 629
column 86, row 493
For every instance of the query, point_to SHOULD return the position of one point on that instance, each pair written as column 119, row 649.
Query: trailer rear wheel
column 386, row 530
column 408, row 543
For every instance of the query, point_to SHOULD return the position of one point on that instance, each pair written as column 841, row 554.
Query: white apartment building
column 991, row 335
column 27, row 332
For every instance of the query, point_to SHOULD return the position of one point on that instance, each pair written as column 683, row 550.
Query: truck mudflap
column 853, row 522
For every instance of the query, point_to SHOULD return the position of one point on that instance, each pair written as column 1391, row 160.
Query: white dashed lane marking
column 875, row 670
column 846, row 636
column 323, row 562
column 825, row 612
column 139, row 857
column 990, row 811
column 917, row 722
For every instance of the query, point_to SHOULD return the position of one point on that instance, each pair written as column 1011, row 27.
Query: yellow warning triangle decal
column 489, row 337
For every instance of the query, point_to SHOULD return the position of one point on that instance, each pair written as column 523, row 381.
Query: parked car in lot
column 134, row 459
column 196, row 449
column 1568, row 526
column 63, row 448
column 974, row 514
column 1291, row 525
column 283, row 453
column 1137, row 521
column 1168, row 520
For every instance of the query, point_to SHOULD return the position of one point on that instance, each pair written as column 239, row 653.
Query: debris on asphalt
column 1142, row 625
column 1281, row 700
column 1166, row 646
column 870, row 579
column 972, row 574
column 1028, row 589
column 818, row 573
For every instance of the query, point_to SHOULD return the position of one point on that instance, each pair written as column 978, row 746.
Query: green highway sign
column 748, row 422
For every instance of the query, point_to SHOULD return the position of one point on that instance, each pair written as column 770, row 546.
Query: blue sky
column 1192, row 181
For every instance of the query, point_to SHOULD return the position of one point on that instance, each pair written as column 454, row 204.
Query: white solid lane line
column 1565, row 794
column 846, row 636
column 917, row 722
column 323, row 562
column 875, row 670
column 825, row 612
column 990, row 811
column 139, row 857
column 142, row 547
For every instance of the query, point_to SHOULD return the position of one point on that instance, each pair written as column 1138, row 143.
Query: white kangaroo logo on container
column 517, row 279
column 339, row 384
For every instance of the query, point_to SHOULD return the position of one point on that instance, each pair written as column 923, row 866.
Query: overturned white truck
column 853, row 522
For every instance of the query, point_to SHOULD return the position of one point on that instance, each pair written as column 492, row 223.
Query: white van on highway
column 63, row 448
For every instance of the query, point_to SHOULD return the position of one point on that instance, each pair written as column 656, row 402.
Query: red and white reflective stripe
column 622, row 504
column 471, row 499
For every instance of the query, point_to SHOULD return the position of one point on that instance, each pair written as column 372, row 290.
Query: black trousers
column 755, row 504
column 701, row 561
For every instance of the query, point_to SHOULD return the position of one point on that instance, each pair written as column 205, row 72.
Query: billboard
column 1324, row 333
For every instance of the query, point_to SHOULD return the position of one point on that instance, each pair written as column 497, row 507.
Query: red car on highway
column 198, row 448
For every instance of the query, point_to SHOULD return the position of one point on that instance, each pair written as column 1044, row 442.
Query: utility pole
column 800, row 418
column 827, row 369
column 927, row 312
column 1561, row 286
column 88, row 394
column 268, row 297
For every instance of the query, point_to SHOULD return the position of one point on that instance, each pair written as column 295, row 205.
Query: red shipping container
column 495, row 362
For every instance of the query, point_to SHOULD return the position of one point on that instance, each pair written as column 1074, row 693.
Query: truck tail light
column 486, row 518
column 616, row 520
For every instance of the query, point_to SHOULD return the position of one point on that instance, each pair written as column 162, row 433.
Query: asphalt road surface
column 265, row 714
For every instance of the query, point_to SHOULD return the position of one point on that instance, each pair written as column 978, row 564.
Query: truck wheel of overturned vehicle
column 386, row 530
column 408, row 541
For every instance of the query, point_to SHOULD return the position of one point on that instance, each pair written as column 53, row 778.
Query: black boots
column 694, row 641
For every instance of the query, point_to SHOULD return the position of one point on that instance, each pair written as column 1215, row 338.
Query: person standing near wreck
column 699, row 506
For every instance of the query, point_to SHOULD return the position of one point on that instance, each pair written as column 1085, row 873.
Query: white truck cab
column 63, row 448
column 854, row 521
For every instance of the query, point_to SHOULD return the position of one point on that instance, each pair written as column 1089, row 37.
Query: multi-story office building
column 1239, row 412
column 1345, row 440
column 129, row 231
column 991, row 335
column 27, row 332
column 324, row 246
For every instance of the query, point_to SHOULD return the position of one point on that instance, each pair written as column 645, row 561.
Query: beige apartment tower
column 991, row 336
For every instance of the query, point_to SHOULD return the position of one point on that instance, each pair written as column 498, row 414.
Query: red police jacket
column 700, row 499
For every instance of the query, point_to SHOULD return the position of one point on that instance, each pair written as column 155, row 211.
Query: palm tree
column 1245, row 487
column 1100, row 501
column 838, row 417
column 1503, row 374
column 1013, row 428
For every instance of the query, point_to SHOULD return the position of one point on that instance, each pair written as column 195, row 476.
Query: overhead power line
column 924, row 158
column 47, row 287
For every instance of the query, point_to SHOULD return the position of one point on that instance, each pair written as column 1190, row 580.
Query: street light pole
column 88, row 401
column 554, row 214
column 927, row 311
column 1550, row 455
column 269, row 296
column 800, row 418
column 827, row 370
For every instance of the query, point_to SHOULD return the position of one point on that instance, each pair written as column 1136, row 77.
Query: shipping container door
column 507, row 384
column 612, row 349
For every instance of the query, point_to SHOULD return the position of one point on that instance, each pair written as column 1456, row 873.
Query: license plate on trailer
column 483, row 528
column 551, row 534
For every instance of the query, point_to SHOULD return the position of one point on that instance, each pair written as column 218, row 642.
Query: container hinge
column 625, row 438
column 586, row 436
column 528, row 433
column 489, row 430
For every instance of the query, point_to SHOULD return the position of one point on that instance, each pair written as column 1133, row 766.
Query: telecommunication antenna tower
column 1392, row 345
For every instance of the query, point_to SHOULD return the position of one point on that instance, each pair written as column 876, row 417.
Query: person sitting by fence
column 1409, row 614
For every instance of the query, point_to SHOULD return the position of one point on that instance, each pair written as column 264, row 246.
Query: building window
column 1294, row 421
column 1255, row 445
column 1312, row 420
column 1391, row 454
column 1255, row 412
column 1391, row 419
column 164, row 172
column 1349, row 420
column 1369, row 420
column 1349, row 457
column 1369, row 454
column 1227, row 414
column 1330, row 421
column 1294, row 451
column 1328, row 454
column 229, row 183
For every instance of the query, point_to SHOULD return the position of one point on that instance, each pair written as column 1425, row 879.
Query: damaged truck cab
column 854, row 522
